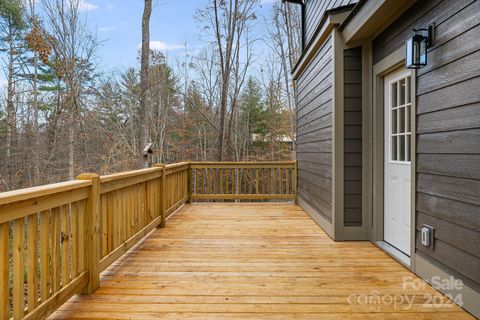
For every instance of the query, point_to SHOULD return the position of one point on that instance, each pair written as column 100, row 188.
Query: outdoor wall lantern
column 417, row 45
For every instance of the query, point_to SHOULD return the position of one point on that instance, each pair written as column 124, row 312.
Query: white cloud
column 160, row 45
column 87, row 6
column 107, row 29
column 111, row 28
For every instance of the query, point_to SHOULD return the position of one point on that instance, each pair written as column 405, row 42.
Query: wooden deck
column 254, row 261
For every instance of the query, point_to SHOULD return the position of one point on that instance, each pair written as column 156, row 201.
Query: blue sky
column 118, row 26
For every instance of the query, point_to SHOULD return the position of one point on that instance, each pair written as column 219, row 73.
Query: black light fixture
column 416, row 48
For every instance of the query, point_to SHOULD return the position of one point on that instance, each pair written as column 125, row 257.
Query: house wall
column 314, row 12
column 448, row 131
column 353, row 137
column 314, row 88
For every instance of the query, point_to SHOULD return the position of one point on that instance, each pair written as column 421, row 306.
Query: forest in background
column 61, row 115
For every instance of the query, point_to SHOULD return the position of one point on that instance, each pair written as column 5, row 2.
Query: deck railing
column 243, row 180
column 56, row 239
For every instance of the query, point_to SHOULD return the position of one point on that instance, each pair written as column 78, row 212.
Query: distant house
column 264, row 138
column 387, row 153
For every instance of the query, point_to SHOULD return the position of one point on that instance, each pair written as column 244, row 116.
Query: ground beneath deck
column 254, row 261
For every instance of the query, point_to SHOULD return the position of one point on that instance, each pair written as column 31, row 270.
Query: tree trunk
column 144, row 82
column 11, row 117
column 36, row 140
column 225, row 55
column 71, row 147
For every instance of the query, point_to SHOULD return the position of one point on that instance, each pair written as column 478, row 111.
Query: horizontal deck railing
column 56, row 239
column 243, row 180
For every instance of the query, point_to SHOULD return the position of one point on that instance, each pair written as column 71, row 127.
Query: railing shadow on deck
column 55, row 240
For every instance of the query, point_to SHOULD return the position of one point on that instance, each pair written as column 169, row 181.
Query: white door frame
column 376, row 140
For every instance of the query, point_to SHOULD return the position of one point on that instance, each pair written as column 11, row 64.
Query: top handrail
column 232, row 163
column 128, row 174
column 177, row 165
column 41, row 191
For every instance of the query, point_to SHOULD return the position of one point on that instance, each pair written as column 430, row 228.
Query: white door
column 397, row 184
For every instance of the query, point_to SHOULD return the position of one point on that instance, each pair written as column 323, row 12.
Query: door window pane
column 401, row 148
column 401, row 120
column 394, row 95
column 402, row 89
column 393, row 148
column 408, row 118
column 394, row 121
column 407, row 147
column 407, row 90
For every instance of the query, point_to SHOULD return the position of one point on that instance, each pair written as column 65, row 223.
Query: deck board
column 253, row 261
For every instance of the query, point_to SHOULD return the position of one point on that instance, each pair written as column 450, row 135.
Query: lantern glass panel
column 409, row 53
column 416, row 52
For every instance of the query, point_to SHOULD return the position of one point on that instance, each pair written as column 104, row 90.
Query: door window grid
column 400, row 126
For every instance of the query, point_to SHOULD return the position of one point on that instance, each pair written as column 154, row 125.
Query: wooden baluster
column 159, row 195
column 55, row 250
column 124, row 213
column 249, row 180
column 244, row 179
column 104, row 224
column 110, row 221
column 64, row 240
column 200, row 181
column 207, row 181
column 82, row 212
column 163, row 195
column 266, row 181
column 138, row 217
column 280, row 181
column 227, row 189
column 144, row 203
column 113, row 220
column 131, row 212
column 4, row 271
column 32, row 241
column 224, row 181
column 170, row 190
column 45, row 281
column 18, row 268
column 214, row 180
column 256, row 181
column 118, row 214
column 74, row 238
column 220, row 181
column 287, row 181
column 197, row 183
column 190, row 190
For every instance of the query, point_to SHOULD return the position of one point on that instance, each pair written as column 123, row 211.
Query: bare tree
column 228, row 19
column 11, row 28
column 74, row 49
column 144, row 82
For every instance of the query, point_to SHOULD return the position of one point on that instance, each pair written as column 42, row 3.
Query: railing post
column 189, row 182
column 92, row 232
column 163, row 195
